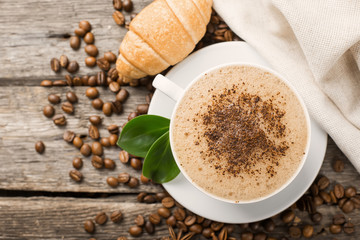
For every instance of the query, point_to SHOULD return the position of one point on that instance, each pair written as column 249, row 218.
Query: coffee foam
column 191, row 146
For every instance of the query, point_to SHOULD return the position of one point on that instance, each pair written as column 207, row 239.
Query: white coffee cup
column 176, row 93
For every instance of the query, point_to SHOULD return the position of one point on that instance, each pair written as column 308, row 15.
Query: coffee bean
column 109, row 164
column 40, row 147
column 94, row 132
column 117, row 4
column 314, row 190
column 116, row 216
column 89, row 226
column 136, row 163
column 144, row 179
column 160, row 196
column 97, row 162
column 165, row 213
column 112, row 182
column 207, row 223
column 119, row 18
column 105, row 142
column 197, row 228
column 216, row 226
column 349, row 228
column 135, row 231
column 97, row 104
column 85, row 25
column 77, row 163
column 269, row 225
column 77, row 81
column 55, row 65
column 72, row 67
column 64, row 61
column 85, row 80
column 339, row 219
column 155, row 218
column 114, row 87
column 77, row 142
column 59, row 83
column 49, row 111
column 171, row 221
column 294, row 232
column 122, row 95
column 124, row 178
column 318, row 201
column 101, row 78
column 139, row 220
column 67, row 107
column 59, row 120
column 111, row 58
column 308, row 231
column 348, row 206
column 323, row 183
column 124, row 156
column 113, row 73
column 341, row 202
column 116, row 107
column 149, row 199
column 246, row 236
column 189, row 220
column 69, row 80
column 75, row 175
column 181, row 226
column 128, row 5
column 335, row 229
column 142, row 108
column 325, row 196
column 168, row 202
column 90, row 62
column 95, row 120
column 46, row 83
column 339, row 191
column 92, row 92
column 71, row 97
column 113, row 139
column 54, row 99
column 208, row 232
column 107, row 108
column 338, row 165
column 103, row 64
column 113, row 129
column 91, row 50
column 133, row 182
column 179, row 214
column 316, row 217
column 89, row 38
column 132, row 116
column 79, row 32
column 92, row 79
column 350, row 192
column 85, row 150
column 68, row 136
column 101, row 218
column 287, row 216
column 96, row 149
column 356, row 201
column 260, row 236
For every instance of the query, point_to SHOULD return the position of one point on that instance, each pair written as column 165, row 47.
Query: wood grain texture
column 33, row 32
column 22, row 124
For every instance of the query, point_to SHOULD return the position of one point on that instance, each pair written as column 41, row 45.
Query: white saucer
column 200, row 203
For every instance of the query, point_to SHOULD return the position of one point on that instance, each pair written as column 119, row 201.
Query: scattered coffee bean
column 348, row 206
column 89, row 38
column 208, row 222
column 133, row 182
column 181, row 226
column 113, row 139
column 208, row 232
column 171, row 221
column 97, row 104
column 247, row 236
column 113, row 129
column 92, row 79
column 260, row 236
column 316, row 217
column 287, row 216
column 168, row 202
column 40, row 147
column 338, row 165
column 124, row 156
column 55, row 65
column 91, row 50
column 127, row 5
column 189, row 220
column 341, row 202
column 200, row 219
column 269, row 225
column 103, row 64
column 85, row 150
column 101, row 78
column 92, row 92
column 77, row 81
column 349, row 228
column 124, row 178
column 318, row 201
column 112, row 182
column 116, row 107
column 144, row 179
column 325, row 196
column 75, row 42
column 94, row 132
column 77, row 163
column 89, row 226
column 101, row 218
column 54, row 99
column 97, row 162
column 308, row 231
column 122, row 95
column 356, row 201
column 96, row 148
column 71, row 97
column 75, row 175
column 64, row 61
column 339, row 219
column 59, row 83
column 149, row 199
column 160, row 196
column 117, row 4
column 49, row 111
column 95, row 120
column 323, row 183
column 335, row 229
column 114, row 87
column 135, row 231
column 119, row 18
column 197, row 229
column 77, row 142
column 107, row 108
column 350, row 192
column 59, row 120
column 155, row 218
column 105, row 142
column 46, row 83
column 109, row 164
column 79, row 32
column 142, row 108
column 139, row 220
column 149, row 227
column 339, row 191
column 165, row 213
column 67, row 107
column 294, row 232
column 110, row 57
column 69, row 80
column 116, row 216
column 90, row 62
column 180, row 214
column 72, row 67
column 68, row 136
column 85, row 80
column 113, row 73
column 85, row 25
column 132, row 115
column 136, row 163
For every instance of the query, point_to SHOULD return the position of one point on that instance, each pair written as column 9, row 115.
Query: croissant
column 162, row 34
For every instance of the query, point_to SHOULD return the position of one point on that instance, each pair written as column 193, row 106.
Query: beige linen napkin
column 315, row 44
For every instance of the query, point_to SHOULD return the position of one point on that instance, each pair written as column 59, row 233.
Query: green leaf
column 159, row 164
column 141, row 132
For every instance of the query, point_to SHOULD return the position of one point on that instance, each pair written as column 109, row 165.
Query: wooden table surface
column 37, row 198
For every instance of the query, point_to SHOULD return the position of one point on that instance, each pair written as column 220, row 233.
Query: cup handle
column 168, row 87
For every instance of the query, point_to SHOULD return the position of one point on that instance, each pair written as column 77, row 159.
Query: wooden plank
column 63, row 218
column 22, row 124
column 32, row 32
